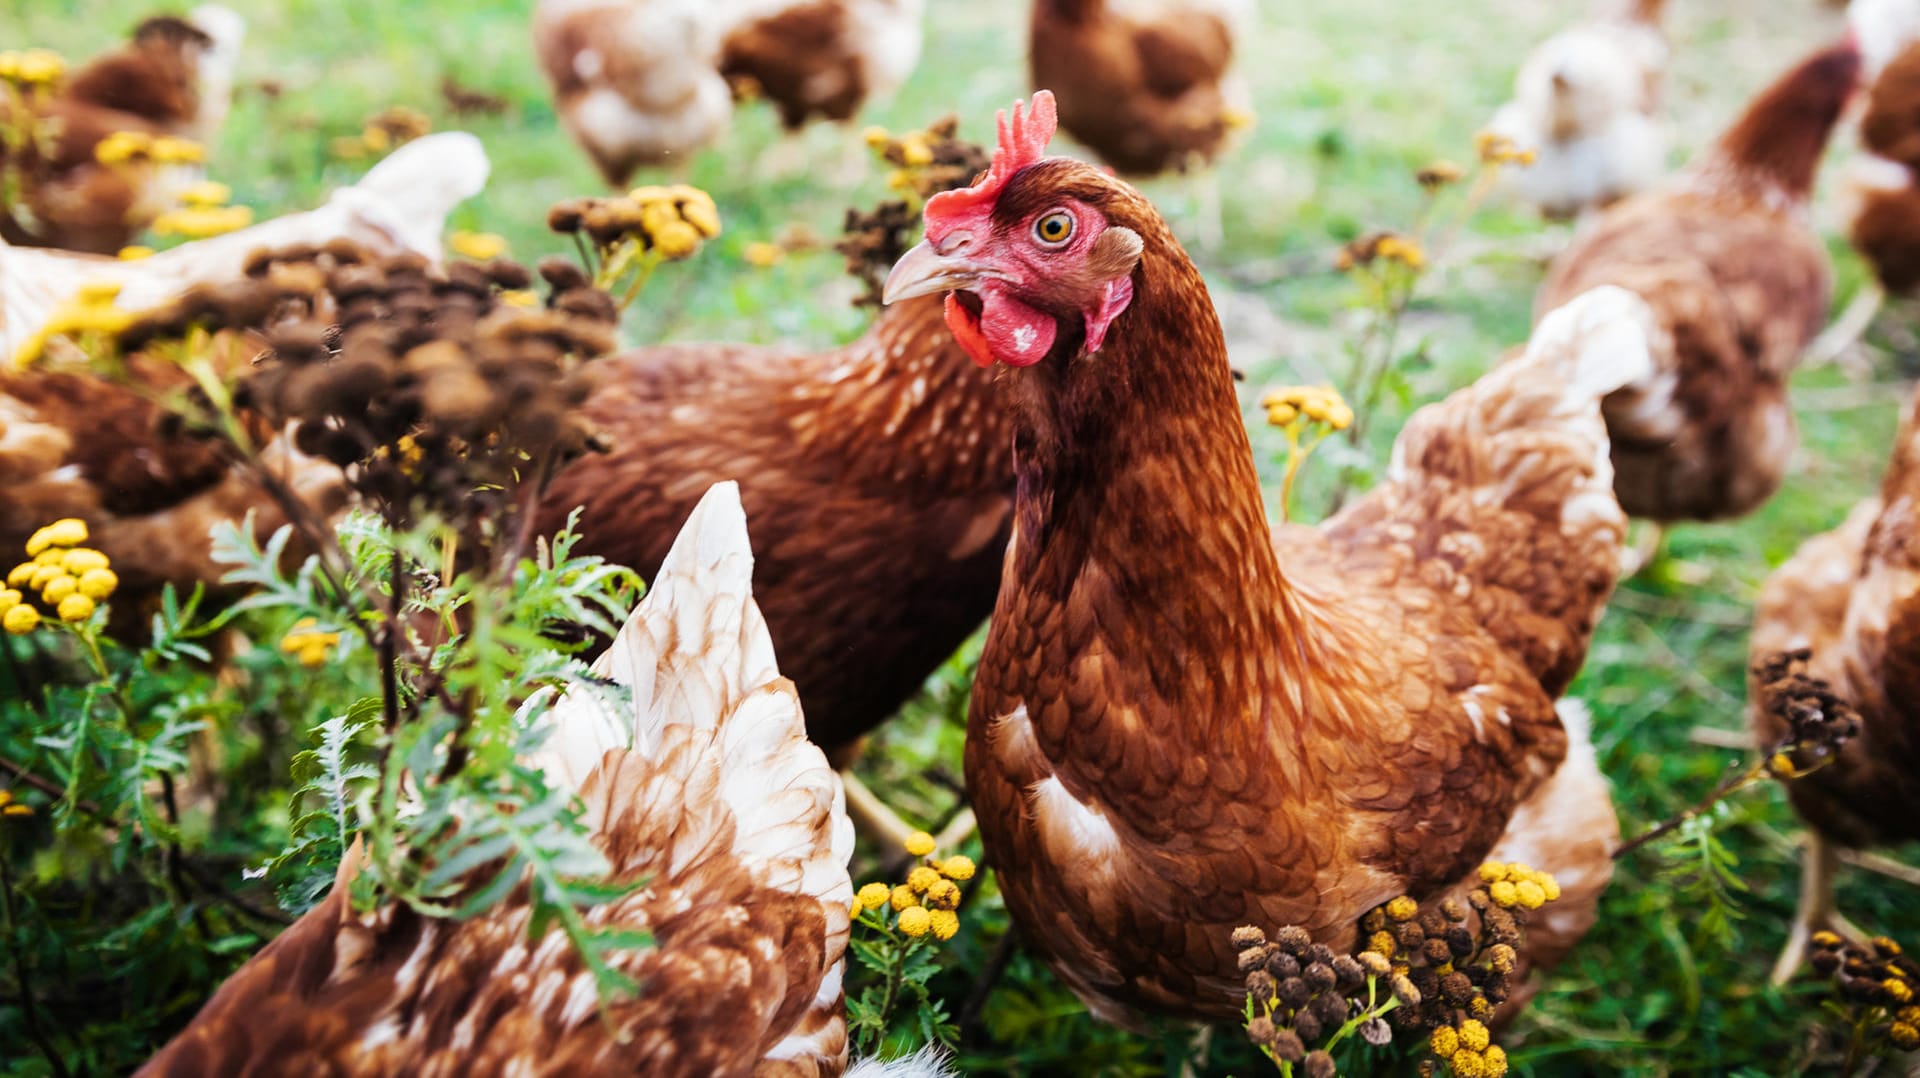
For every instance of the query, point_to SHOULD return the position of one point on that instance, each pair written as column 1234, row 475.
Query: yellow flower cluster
column 10, row 807
column 1402, row 249
column 1469, row 1049
column 1518, row 885
column 121, row 147
column 764, row 255
column 928, row 902
column 134, row 253
column 203, row 213
column 31, row 67
column 1905, row 1031
column 1317, row 404
column 1438, row 174
column 381, row 133
column 477, row 246
column 307, row 642
column 1497, row 149
column 91, row 310
column 676, row 219
column 69, row 578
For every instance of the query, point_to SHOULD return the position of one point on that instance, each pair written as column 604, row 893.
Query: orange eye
column 1055, row 228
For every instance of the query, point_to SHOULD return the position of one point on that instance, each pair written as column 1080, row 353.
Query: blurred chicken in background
column 91, row 177
column 1586, row 103
column 650, row 82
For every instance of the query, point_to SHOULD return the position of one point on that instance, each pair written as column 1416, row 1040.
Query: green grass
column 1352, row 97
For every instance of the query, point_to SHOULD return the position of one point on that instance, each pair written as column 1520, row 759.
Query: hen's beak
column 926, row 270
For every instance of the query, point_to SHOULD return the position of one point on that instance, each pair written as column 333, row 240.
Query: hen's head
column 1039, row 252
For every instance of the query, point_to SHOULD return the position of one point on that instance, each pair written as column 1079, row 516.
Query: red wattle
column 966, row 332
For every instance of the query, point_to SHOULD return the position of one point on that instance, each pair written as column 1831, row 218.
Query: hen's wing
column 705, row 787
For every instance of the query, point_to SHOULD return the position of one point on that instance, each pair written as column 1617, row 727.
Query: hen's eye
column 1054, row 228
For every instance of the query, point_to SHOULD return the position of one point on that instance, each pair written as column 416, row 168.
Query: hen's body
column 1586, row 102
column 706, row 788
column 636, row 82
column 1739, row 285
column 823, row 58
column 1184, row 722
column 876, row 477
column 173, row 79
column 1146, row 84
column 1852, row 598
column 72, row 445
column 1884, row 182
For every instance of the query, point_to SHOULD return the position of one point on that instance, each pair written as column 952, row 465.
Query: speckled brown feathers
column 1175, row 731
column 1147, row 86
column 1852, row 598
column 1739, row 284
column 720, row 804
column 876, row 478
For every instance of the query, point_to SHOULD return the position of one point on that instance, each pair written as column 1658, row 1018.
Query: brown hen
column 1184, row 721
column 174, row 79
column 1851, row 597
column 876, row 475
column 823, row 58
column 1739, row 285
column 1148, row 86
column 705, row 787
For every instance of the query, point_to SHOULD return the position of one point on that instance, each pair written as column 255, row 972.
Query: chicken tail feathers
column 408, row 196
column 1597, row 342
column 704, row 768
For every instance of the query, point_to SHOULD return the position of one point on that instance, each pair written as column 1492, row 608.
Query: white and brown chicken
column 705, row 786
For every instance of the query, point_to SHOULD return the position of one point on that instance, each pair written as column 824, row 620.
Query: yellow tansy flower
column 919, row 843
column 69, row 531
column 98, row 584
column 957, row 867
column 21, row 573
column 874, row 895
column 45, row 576
column 1496, row 1060
column 943, row 895
column 1530, row 894
column 478, row 246
column 20, row 619
column 9, row 599
column 1403, row 908
column 134, row 253
column 1467, row 1064
column 177, row 151
column 945, row 923
column 922, row 878
column 1444, row 1042
column 57, row 589
column 82, row 559
column 903, row 898
column 1493, row 872
column 764, row 255
column 207, row 194
column 1474, row 1035
column 915, row 921
column 76, row 607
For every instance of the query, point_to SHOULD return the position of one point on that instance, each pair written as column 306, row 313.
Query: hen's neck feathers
column 1771, row 156
column 1138, row 501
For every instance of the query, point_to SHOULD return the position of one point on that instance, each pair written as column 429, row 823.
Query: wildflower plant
column 1426, row 977
column 625, row 238
column 897, row 928
column 1874, row 1000
column 404, row 619
column 1387, row 268
column 1306, row 414
column 1818, row 722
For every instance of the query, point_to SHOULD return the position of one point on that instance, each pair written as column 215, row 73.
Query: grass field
column 1352, row 98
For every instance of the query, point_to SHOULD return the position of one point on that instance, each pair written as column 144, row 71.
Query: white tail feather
column 410, row 193
column 1600, row 339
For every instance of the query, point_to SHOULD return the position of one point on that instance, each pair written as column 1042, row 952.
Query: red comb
column 1023, row 140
